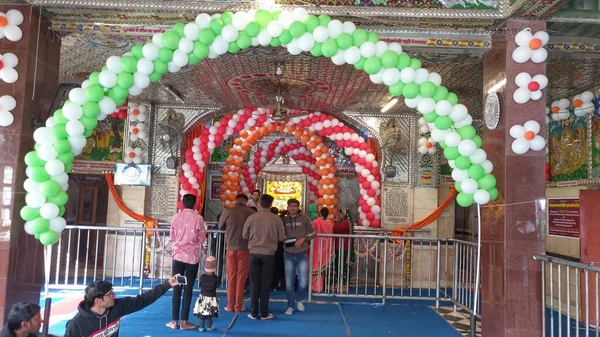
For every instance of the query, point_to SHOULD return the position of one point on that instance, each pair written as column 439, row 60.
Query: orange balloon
column 329, row 202
column 305, row 139
column 291, row 128
column 223, row 197
column 326, row 181
column 226, row 170
column 335, row 180
column 324, row 172
column 238, row 141
column 324, row 149
column 336, row 201
column 238, row 163
column 243, row 133
column 226, row 178
column 321, row 201
column 333, row 170
column 333, row 210
column 224, row 187
column 298, row 134
column 336, row 190
column 232, row 151
column 329, row 160
column 246, row 147
column 321, row 191
column 320, row 162
column 281, row 127
column 229, row 161
column 318, row 153
column 231, row 197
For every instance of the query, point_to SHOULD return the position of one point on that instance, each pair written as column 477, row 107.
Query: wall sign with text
column 563, row 217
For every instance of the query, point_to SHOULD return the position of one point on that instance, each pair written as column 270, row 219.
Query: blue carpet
column 552, row 327
column 395, row 320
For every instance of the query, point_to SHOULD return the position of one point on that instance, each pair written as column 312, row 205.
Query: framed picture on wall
column 88, row 204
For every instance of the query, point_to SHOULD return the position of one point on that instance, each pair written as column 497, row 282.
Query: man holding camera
column 299, row 231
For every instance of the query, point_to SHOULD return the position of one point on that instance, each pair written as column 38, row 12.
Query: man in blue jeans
column 299, row 231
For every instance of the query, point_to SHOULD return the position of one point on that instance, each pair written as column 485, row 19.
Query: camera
column 182, row 280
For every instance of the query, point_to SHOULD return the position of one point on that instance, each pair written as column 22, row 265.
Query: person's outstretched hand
column 173, row 280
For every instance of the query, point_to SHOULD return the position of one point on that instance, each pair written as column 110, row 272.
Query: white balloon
column 468, row 186
column 435, row 78
column 239, row 20
column 14, row 17
column 43, row 136
column 134, row 91
column 488, row 167
column 107, row 105
column 521, row 54
column 219, row 45
column 467, row 147
column 478, row 157
column 395, row 46
column 349, row 27
column 58, row 224
column 264, row 39
column 459, row 175
column 74, row 128
column 150, row 51
column 180, row 58
column 274, row 28
column 77, row 96
column 421, row 76
column 481, row 197
column 537, row 143
column 391, row 76
column 202, row 20
column 28, row 227
column 520, row 146
column 191, row 31
column 426, row 106
column 173, row 68
column 306, row 42
column 61, row 178
column 439, row 135
column 380, row 48
column 286, row 18
column 532, row 126
column 517, row 131
column 35, row 199
column 293, row 47
column 107, row 79
column 467, row 121
column 335, row 28
column 77, row 142
column 367, row 49
column 6, row 118
column 229, row 33
column 407, row 75
column 539, row 56
column 452, row 139
column 140, row 80
column 377, row 78
column 352, row 55
column 54, row 167
column 113, row 63
column 300, row 14
column 72, row 111
column 412, row 103
column 49, row 211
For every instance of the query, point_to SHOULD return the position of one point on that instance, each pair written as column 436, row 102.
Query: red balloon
column 375, row 223
column 180, row 205
column 362, row 161
column 337, row 129
column 365, row 208
column 371, row 192
column 363, row 146
column 366, row 185
column 121, row 115
column 194, row 192
column 189, row 153
column 370, row 216
column 219, row 138
column 182, row 179
column 186, row 186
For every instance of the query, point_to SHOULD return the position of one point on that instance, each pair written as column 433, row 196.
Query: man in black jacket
column 24, row 320
column 100, row 312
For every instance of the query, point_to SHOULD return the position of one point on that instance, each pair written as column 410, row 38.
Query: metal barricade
column 466, row 284
column 569, row 297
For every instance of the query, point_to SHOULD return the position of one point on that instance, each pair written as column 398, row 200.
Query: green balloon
column 359, row 37
column 129, row 64
column 68, row 167
column 94, row 77
column 263, row 17
column 160, row 67
column 119, row 100
column 244, row 41
column 360, row 65
column 312, row 208
column 285, row 37
column 125, row 80
column 233, row 48
column 36, row 236
column 62, row 145
column 192, row 59
column 90, row 109
column 344, row 41
column 462, row 162
column 389, row 59
column 316, row 51
column 487, row 182
column 37, row 146
column 443, row 122
column 451, row 152
column 443, row 144
column 117, row 92
column 311, row 23
column 66, row 157
column 59, row 131
column 324, row 20
column 396, row 89
column 329, row 48
column 493, row 193
column 457, row 186
column 49, row 188
column 29, row 213
column 136, row 51
column 275, row 42
column 476, row 171
column 94, row 93
column 33, row 160
column 155, row 77
column 165, row 55
column 373, row 37
column 467, row 132
column 415, row 63
column 297, row 29
column 60, row 199
column 200, row 50
column 431, row 118
column 464, row 199
column 478, row 141
column 252, row 29
column 403, row 61
column 178, row 28
column 452, row 98
column 40, row 225
column 89, row 122
column 275, row 14
column 59, row 118
column 428, row 89
column 170, row 40
column 206, row 36
column 373, row 65
column 226, row 17
column 88, row 132
column 105, row 68
column 411, row 90
column 48, row 238
column 61, row 210
column 39, row 174
column 441, row 93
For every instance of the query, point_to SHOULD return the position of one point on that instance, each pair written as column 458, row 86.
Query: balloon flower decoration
column 583, row 104
column 560, row 110
column 531, row 46
column 212, row 36
column 527, row 138
column 7, row 104
column 530, row 88
column 426, row 145
column 9, row 25
column 8, row 62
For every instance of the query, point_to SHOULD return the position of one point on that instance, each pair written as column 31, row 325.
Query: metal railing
column 569, row 297
column 346, row 266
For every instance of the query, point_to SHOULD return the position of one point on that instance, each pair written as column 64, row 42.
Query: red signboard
column 563, row 217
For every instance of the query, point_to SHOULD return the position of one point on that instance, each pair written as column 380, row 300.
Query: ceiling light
column 389, row 105
column 497, row 86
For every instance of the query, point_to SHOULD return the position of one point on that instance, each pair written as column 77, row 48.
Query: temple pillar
column 512, row 230
column 21, row 256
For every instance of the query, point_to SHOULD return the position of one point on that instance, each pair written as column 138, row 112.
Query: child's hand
column 173, row 280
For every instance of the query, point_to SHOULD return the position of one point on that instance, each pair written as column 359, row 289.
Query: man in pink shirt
column 187, row 235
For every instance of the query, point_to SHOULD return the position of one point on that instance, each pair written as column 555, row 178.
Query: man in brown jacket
column 232, row 221
column 263, row 230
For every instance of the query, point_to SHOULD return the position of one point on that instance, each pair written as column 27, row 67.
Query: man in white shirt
column 253, row 202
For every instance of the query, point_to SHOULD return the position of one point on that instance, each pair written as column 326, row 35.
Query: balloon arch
column 309, row 131
column 64, row 135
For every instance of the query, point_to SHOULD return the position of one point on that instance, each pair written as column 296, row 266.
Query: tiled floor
column 459, row 319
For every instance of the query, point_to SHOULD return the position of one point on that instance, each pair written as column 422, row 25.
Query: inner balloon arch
column 253, row 124
column 64, row 135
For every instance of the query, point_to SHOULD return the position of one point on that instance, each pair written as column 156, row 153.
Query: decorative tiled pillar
column 38, row 51
column 511, row 227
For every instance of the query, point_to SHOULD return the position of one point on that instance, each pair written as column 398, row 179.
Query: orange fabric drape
column 187, row 144
column 430, row 218
column 148, row 222
column 373, row 148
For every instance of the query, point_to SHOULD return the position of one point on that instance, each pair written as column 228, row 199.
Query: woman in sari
column 342, row 247
column 322, row 254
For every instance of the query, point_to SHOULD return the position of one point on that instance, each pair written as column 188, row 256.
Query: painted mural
column 568, row 144
column 106, row 143
column 595, row 147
